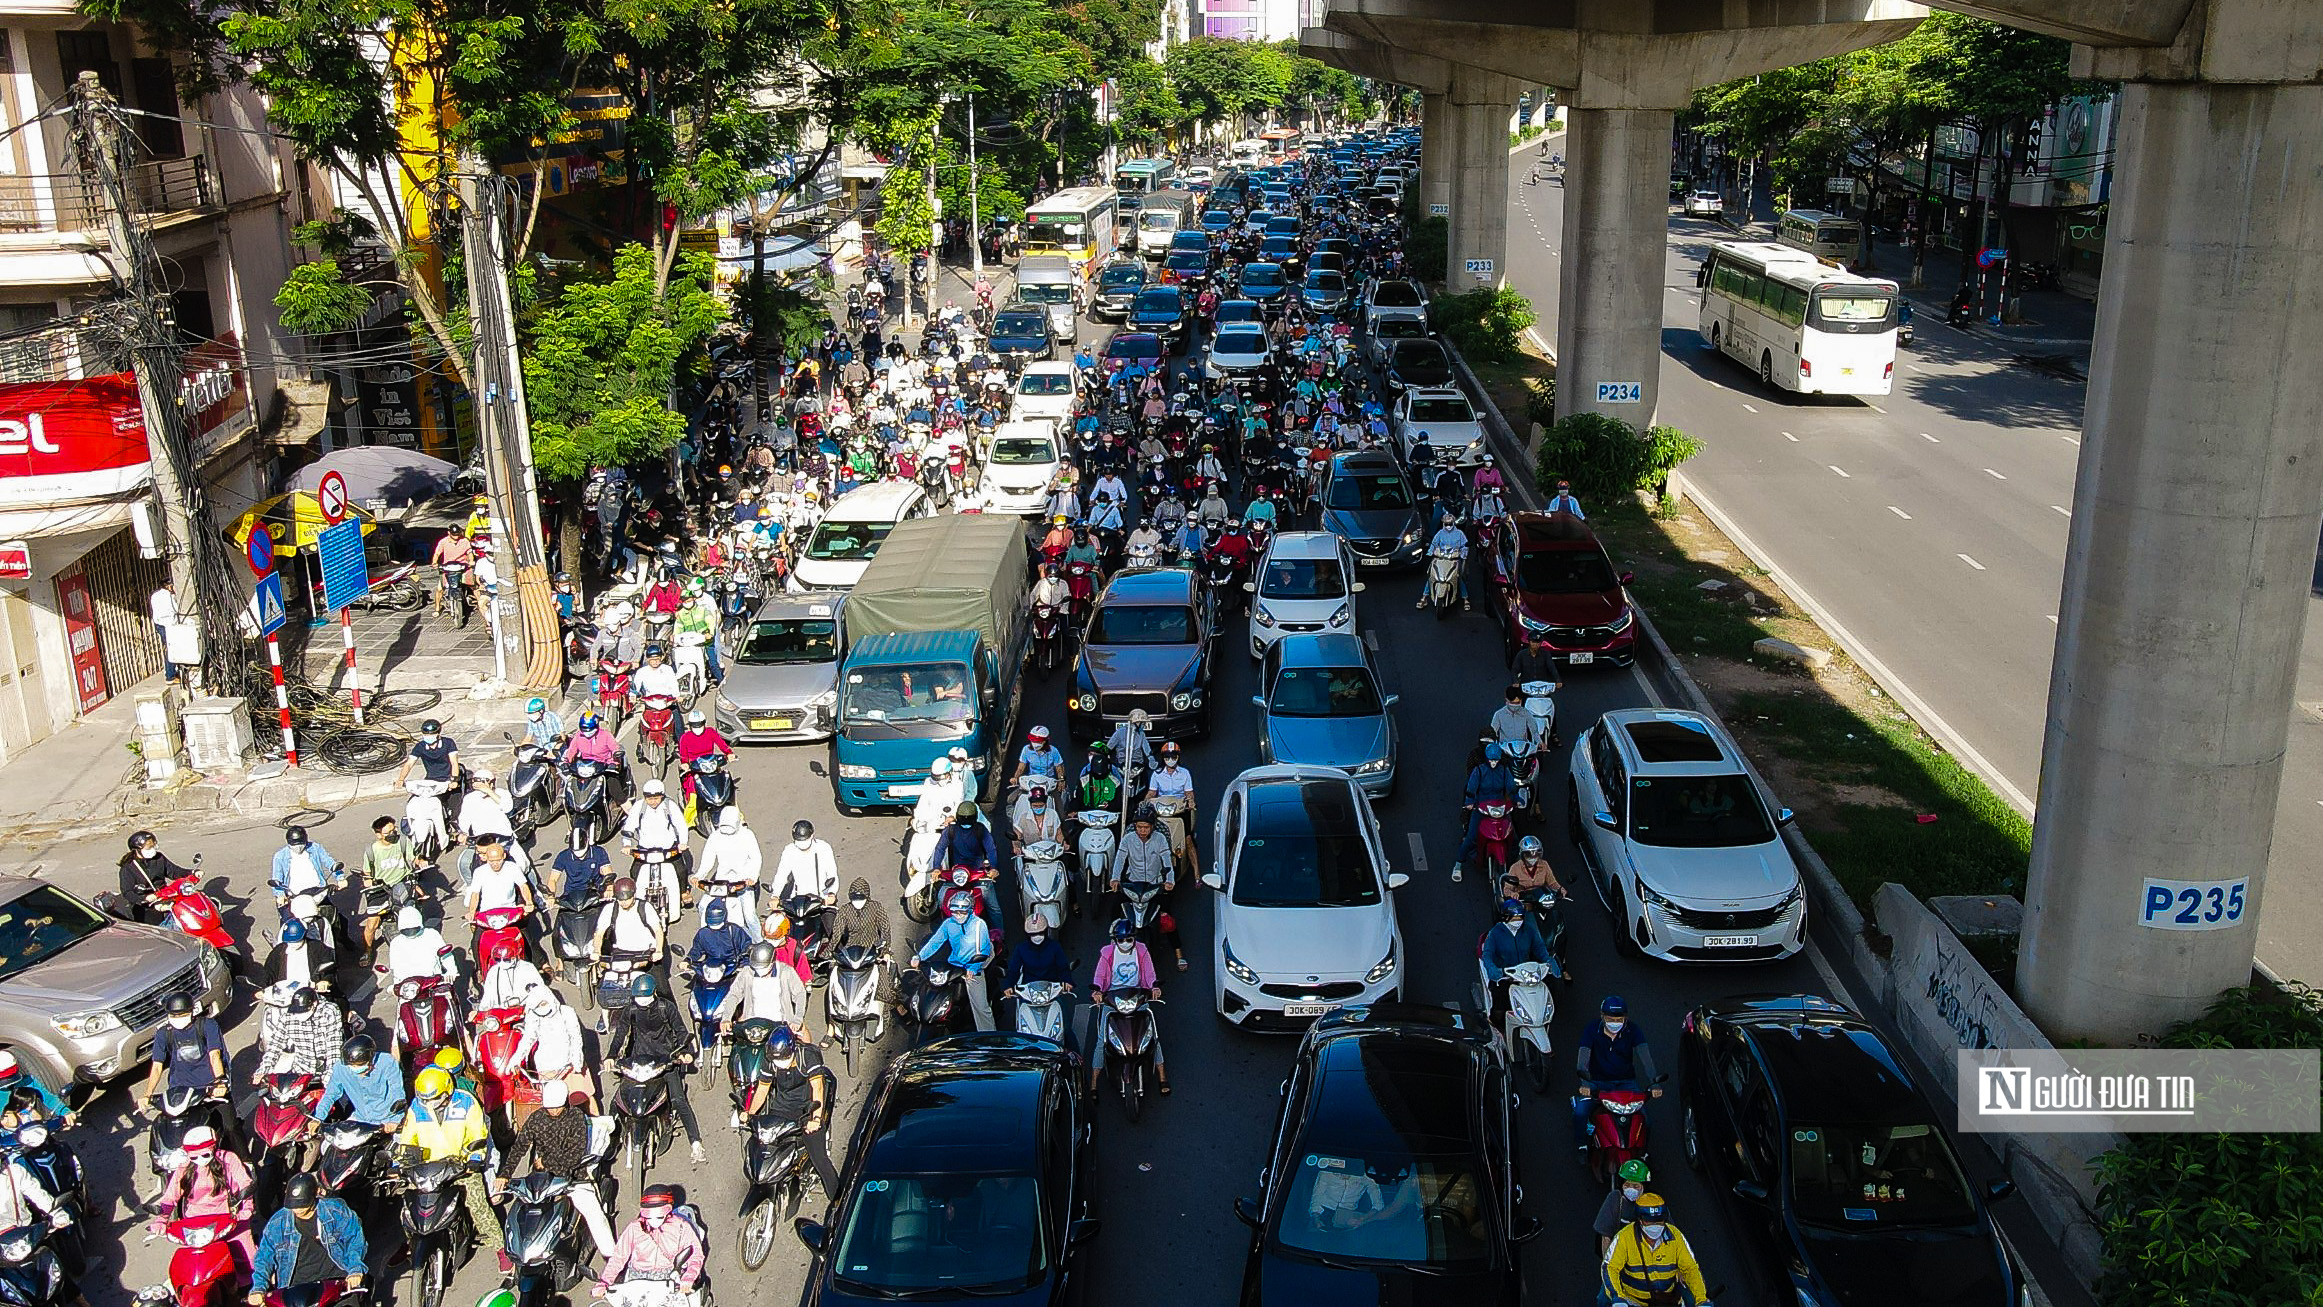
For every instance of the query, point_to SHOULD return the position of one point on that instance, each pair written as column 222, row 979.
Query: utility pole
column 975, row 219
column 197, row 564
column 505, row 429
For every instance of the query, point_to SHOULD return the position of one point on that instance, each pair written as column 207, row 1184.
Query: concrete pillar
column 2194, row 525
column 1436, row 154
column 1610, row 265
column 1479, row 107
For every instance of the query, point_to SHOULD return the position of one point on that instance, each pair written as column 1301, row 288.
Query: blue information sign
column 346, row 577
column 268, row 602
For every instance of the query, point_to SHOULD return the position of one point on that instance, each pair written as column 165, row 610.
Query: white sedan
column 1443, row 418
column 1020, row 462
column 1306, row 912
column 1044, row 390
column 1239, row 350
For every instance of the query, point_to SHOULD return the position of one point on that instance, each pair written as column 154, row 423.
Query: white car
column 1239, row 350
column 1019, row 464
column 1388, row 295
column 1684, row 850
column 1306, row 912
column 849, row 536
column 1044, row 390
column 1704, row 204
column 1303, row 584
column 1444, row 417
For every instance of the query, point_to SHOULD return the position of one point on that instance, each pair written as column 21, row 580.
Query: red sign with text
column 93, row 427
column 72, row 599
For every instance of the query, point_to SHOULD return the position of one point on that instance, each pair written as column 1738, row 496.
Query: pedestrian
column 1563, row 502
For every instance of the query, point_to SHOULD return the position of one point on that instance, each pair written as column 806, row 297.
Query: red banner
column 215, row 389
column 72, row 599
column 71, row 439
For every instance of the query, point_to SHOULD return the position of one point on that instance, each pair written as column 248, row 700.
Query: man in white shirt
column 807, row 866
column 657, row 676
column 483, row 811
column 552, row 1039
column 629, row 925
column 655, row 824
column 731, row 860
column 418, row 950
column 496, row 881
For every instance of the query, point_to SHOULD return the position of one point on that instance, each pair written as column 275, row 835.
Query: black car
column 1021, row 331
column 1840, row 1172
column 967, row 1180
column 1147, row 646
column 1420, row 362
column 1263, row 283
column 1187, row 265
column 1163, row 311
column 1117, row 287
column 1391, row 1177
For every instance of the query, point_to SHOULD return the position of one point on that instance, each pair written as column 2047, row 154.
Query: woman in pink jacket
column 1125, row 965
column 213, row 1181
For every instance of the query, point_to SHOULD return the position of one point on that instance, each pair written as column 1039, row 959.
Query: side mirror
column 1527, row 1230
column 1212, row 880
column 1258, row 700
column 1081, row 1232
column 1397, row 880
column 1999, row 1189
column 1356, row 588
column 810, row 1233
column 1392, row 700
column 1751, row 1190
column 1784, row 816
column 1606, row 821
column 1627, row 577
column 1246, row 1212
column 1251, row 586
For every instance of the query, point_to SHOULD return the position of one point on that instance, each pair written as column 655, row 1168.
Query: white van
column 849, row 536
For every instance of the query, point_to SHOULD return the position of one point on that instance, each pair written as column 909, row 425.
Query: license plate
column 1372, row 562
column 1729, row 941
column 1847, row 372
column 770, row 723
column 1308, row 1009
column 1580, row 658
column 903, row 791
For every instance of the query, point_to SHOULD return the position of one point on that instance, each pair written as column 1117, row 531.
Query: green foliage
column 603, row 356
column 1607, row 459
column 2220, row 1220
column 906, row 219
column 316, row 298
column 1540, row 405
column 790, row 316
column 1221, row 80
column 1427, row 248
column 1486, row 325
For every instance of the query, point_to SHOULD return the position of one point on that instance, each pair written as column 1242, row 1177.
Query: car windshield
column 1044, row 383
column 1303, row 578
column 1697, row 812
column 1302, row 869
column 848, row 542
column 1262, row 275
column 1420, row 356
column 1142, row 624
column 1131, row 347
column 1330, row 281
column 42, row 923
column 1237, row 311
column 1021, row 324
column 907, row 692
column 1564, row 572
column 1008, row 450
column 1188, row 261
column 1369, row 490
column 1240, row 342
column 1216, row 218
column 1400, row 329
column 1164, row 300
column 941, row 1234
column 1449, row 409
column 788, row 640
column 1114, row 277
column 1038, row 292
column 1857, row 1175
column 1325, row 692
column 1389, row 1206
column 1158, row 219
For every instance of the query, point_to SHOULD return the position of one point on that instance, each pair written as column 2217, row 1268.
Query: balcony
column 161, row 190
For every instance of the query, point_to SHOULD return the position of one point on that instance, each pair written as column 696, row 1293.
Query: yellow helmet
column 450, row 1059
column 435, row 1082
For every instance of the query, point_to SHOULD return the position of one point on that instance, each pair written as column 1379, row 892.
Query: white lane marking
column 1371, row 638
column 1751, row 407
column 1899, row 512
column 1970, row 561
column 1840, row 470
column 1419, row 851
column 1995, row 475
column 2060, row 508
column 1646, row 686
column 1930, row 439
column 2072, row 440
column 1875, row 408
column 1788, row 436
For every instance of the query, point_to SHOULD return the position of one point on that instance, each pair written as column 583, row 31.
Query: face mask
column 858, row 900
column 1513, row 926
column 1126, row 947
column 1653, row 1232
column 801, row 845
column 960, row 915
column 1036, row 939
column 1632, row 1192
column 653, row 1220
column 180, row 1023
column 1613, row 1025
column 149, row 853
column 643, row 1000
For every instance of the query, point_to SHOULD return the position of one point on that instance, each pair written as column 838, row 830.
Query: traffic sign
column 331, row 498
column 346, row 576
column 268, row 602
column 1990, row 255
column 259, row 549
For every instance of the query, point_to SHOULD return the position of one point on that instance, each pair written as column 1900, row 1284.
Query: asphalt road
column 1930, row 525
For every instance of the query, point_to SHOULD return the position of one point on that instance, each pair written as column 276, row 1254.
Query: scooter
column 712, row 980
column 31, row 1274
column 425, row 1023
column 436, row 1225
column 1549, row 919
column 1495, row 837
column 586, row 802
column 423, row 818
column 203, row 1272
column 532, row 790
column 1040, row 1009
column 58, row 1169
column 278, row 1132
column 614, row 699
column 918, row 872
column 1141, row 908
column 177, row 1112
column 929, row 997
column 774, row 1171
column 1041, row 883
column 1616, row 1127
column 545, row 1236
column 810, row 928
column 688, row 654
column 575, row 933
column 657, row 733
column 852, row 1010
column 191, row 912
column 1531, row 1007
column 1444, row 582
column 709, row 791
column 641, row 1112
column 1127, row 1017
column 1048, row 639
column 495, row 1032
column 348, row 1161
column 1095, row 847
column 496, row 930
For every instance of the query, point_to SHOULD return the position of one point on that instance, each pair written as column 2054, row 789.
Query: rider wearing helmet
column 1144, row 859
column 1040, row 955
column 806, row 866
column 144, row 869
column 1125, row 964
column 1620, row 1205
column 794, row 1085
column 661, row 1244
column 1490, row 781
column 767, row 989
column 285, row 1262
column 700, row 739
column 649, row 1027
column 727, row 872
column 966, row 942
column 657, row 676
column 1512, row 940
column 542, row 725
column 1100, row 783
column 418, row 950
column 1530, row 869
column 370, row 1086
column 1610, row 1054
column 1649, row 1262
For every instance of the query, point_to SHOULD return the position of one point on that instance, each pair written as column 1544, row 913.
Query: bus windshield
column 1055, row 229
column 1855, row 310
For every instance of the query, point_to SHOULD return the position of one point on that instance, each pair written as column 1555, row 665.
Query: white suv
column 1443, row 417
column 1304, row 583
column 1704, row 204
column 1685, row 851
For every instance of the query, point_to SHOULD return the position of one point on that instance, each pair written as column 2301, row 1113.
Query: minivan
column 849, row 536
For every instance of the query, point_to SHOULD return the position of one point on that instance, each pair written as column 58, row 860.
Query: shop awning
column 295, row 519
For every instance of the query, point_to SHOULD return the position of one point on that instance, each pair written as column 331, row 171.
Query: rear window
column 1262, row 274
column 1129, row 347
column 1448, row 409
column 1164, row 300
column 1395, row 295
column 1020, row 324
column 1400, row 329
column 1240, row 342
column 1112, row 277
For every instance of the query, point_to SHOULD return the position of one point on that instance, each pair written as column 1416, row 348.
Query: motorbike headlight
column 1086, row 703
column 1622, row 623
column 1181, row 701
column 1342, row 616
column 769, row 1131
column 86, row 1025
column 1264, row 618
column 856, row 771
column 1647, row 894
column 1384, row 968
column 1235, row 967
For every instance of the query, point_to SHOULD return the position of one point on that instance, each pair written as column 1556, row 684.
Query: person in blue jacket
column 1514, row 940
column 1490, row 781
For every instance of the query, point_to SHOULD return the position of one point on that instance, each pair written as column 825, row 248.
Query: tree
column 603, row 356
column 1220, row 80
column 1149, row 109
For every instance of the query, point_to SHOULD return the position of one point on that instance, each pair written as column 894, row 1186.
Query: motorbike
column 641, row 1114
column 576, row 930
column 1095, row 847
column 1549, row 919
column 455, row 582
column 918, row 874
column 423, row 818
column 544, row 1233
column 495, row 1032
column 1040, row 1009
column 1616, row 1127
column 614, row 697
column 348, row 1161
column 1531, row 1007
column 1127, row 1029
column 930, row 996
column 1141, row 908
column 1444, row 582
column 1080, row 593
column 774, row 1169
column 177, row 1112
column 425, row 1023
column 31, row 1274
column 191, row 912
column 657, row 733
column 588, row 804
column 689, row 655
column 1495, row 837
column 1048, row 639
column 810, row 928
column 712, row 980
column 1171, row 809
column 204, row 1271
column 709, row 791
column 58, row 1169
column 615, row 975
column 656, row 871
column 1041, row 881
column 532, row 789
column 497, row 928
column 852, row 1011
column 278, row 1131
column 1223, row 573
column 580, row 636
column 436, row 1225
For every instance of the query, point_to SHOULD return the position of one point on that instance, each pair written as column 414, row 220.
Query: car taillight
column 1888, row 373
column 1806, row 369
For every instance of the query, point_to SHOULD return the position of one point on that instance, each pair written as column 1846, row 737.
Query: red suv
column 1558, row 593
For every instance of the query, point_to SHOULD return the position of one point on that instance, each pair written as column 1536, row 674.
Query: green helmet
column 501, row 1297
column 1636, row 1169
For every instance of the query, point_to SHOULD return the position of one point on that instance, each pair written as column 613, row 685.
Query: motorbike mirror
column 1082, row 1232
column 1246, row 1212
column 1999, row 1189
column 1397, row 880
column 1627, row 577
column 1527, row 1230
column 1784, row 816
column 1212, row 880
column 1606, row 821
column 1751, row 1190
column 809, row 1232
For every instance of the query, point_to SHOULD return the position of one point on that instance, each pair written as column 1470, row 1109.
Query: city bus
column 1143, row 176
column 1800, row 324
column 1282, row 142
column 1077, row 223
column 1831, row 236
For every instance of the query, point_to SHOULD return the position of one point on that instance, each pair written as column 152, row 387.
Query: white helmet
column 940, row 767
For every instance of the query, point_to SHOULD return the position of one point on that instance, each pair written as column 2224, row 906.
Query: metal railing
column 66, row 202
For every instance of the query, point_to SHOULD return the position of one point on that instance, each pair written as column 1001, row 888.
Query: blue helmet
column 1122, row 930
column 780, row 1042
column 1510, row 908
column 532, row 706
column 714, row 912
column 1492, row 753
column 294, row 931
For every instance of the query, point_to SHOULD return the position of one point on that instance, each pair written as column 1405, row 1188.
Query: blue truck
column 935, row 644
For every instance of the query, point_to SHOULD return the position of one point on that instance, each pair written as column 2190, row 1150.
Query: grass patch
column 1509, row 385
column 1667, row 580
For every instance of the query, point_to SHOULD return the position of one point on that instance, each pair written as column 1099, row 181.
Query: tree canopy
column 604, row 355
